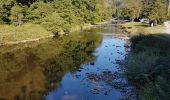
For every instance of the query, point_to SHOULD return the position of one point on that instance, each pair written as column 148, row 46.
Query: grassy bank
column 134, row 28
column 56, row 17
column 148, row 66
column 11, row 33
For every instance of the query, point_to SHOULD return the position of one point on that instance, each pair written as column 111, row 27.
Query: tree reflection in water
column 28, row 73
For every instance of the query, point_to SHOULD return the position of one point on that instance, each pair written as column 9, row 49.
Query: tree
column 122, row 12
column 73, row 13
column 53, row 23
column 5, row 7
column 147, row 7
column 17, row 15
column 134, row 8
column 158, row 12
column 38, row 11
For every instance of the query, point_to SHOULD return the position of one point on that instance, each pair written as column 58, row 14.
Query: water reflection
column 101, row 78
column 30, row 72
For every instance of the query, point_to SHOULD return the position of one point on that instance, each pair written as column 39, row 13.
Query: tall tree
column 17, row 15
column 5, row 7
column 135, row 8
column 158, row 11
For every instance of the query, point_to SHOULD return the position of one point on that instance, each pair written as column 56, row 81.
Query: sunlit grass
column 135, row 28
column 10, row 33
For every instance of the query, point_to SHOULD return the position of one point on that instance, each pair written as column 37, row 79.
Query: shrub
column 38, row 11
column 17, row 15
column 53, row 23
column 141, row 67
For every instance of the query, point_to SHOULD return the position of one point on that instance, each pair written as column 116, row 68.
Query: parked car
column 144, row 20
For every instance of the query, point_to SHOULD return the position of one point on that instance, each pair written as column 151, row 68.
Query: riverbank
column 135, row 28
column 10, row 34
column 86, row 63
column 148, row 65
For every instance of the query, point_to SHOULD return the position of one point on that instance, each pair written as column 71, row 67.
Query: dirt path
column 24, row 41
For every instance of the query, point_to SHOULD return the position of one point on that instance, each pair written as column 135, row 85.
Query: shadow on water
column 80, row 66
column 29, row 73
column 102, row 78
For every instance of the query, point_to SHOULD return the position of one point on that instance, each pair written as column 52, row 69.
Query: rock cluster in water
column 114, row 80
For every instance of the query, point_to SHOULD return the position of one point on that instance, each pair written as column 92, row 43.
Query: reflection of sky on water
column 76, row 86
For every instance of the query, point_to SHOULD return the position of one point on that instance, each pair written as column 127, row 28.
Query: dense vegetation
column 149, row 67
column 156, row 10
column 56, row 16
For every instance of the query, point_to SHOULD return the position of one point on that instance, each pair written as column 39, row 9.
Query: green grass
column 135, row 28
column 10, row 33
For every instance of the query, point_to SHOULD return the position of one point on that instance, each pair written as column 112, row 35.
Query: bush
column 160, row 90
column 5, row 7
column 141, row 67
column 17, row 15
column 53, row 23
column 38, row 11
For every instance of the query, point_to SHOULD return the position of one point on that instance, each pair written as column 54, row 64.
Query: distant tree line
column 156, row 10
column 54, row 15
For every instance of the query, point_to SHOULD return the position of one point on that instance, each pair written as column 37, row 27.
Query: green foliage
column 122, row 12
column 156, row 10
column 142, row 67
column 159, row 10
column 148, row 68
column 128, row 9
column 38, row 11
column 53, row 23
column 134, row 8
column 147, row 6
column 5, row 7
column 55, row 15
column 18, row 15
column 160, row 90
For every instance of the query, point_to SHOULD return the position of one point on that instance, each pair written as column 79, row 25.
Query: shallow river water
column 84, row 66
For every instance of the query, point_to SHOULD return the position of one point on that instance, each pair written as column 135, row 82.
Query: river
column 86, row 65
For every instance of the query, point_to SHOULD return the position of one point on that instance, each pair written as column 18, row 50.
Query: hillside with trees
column 56, row 16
